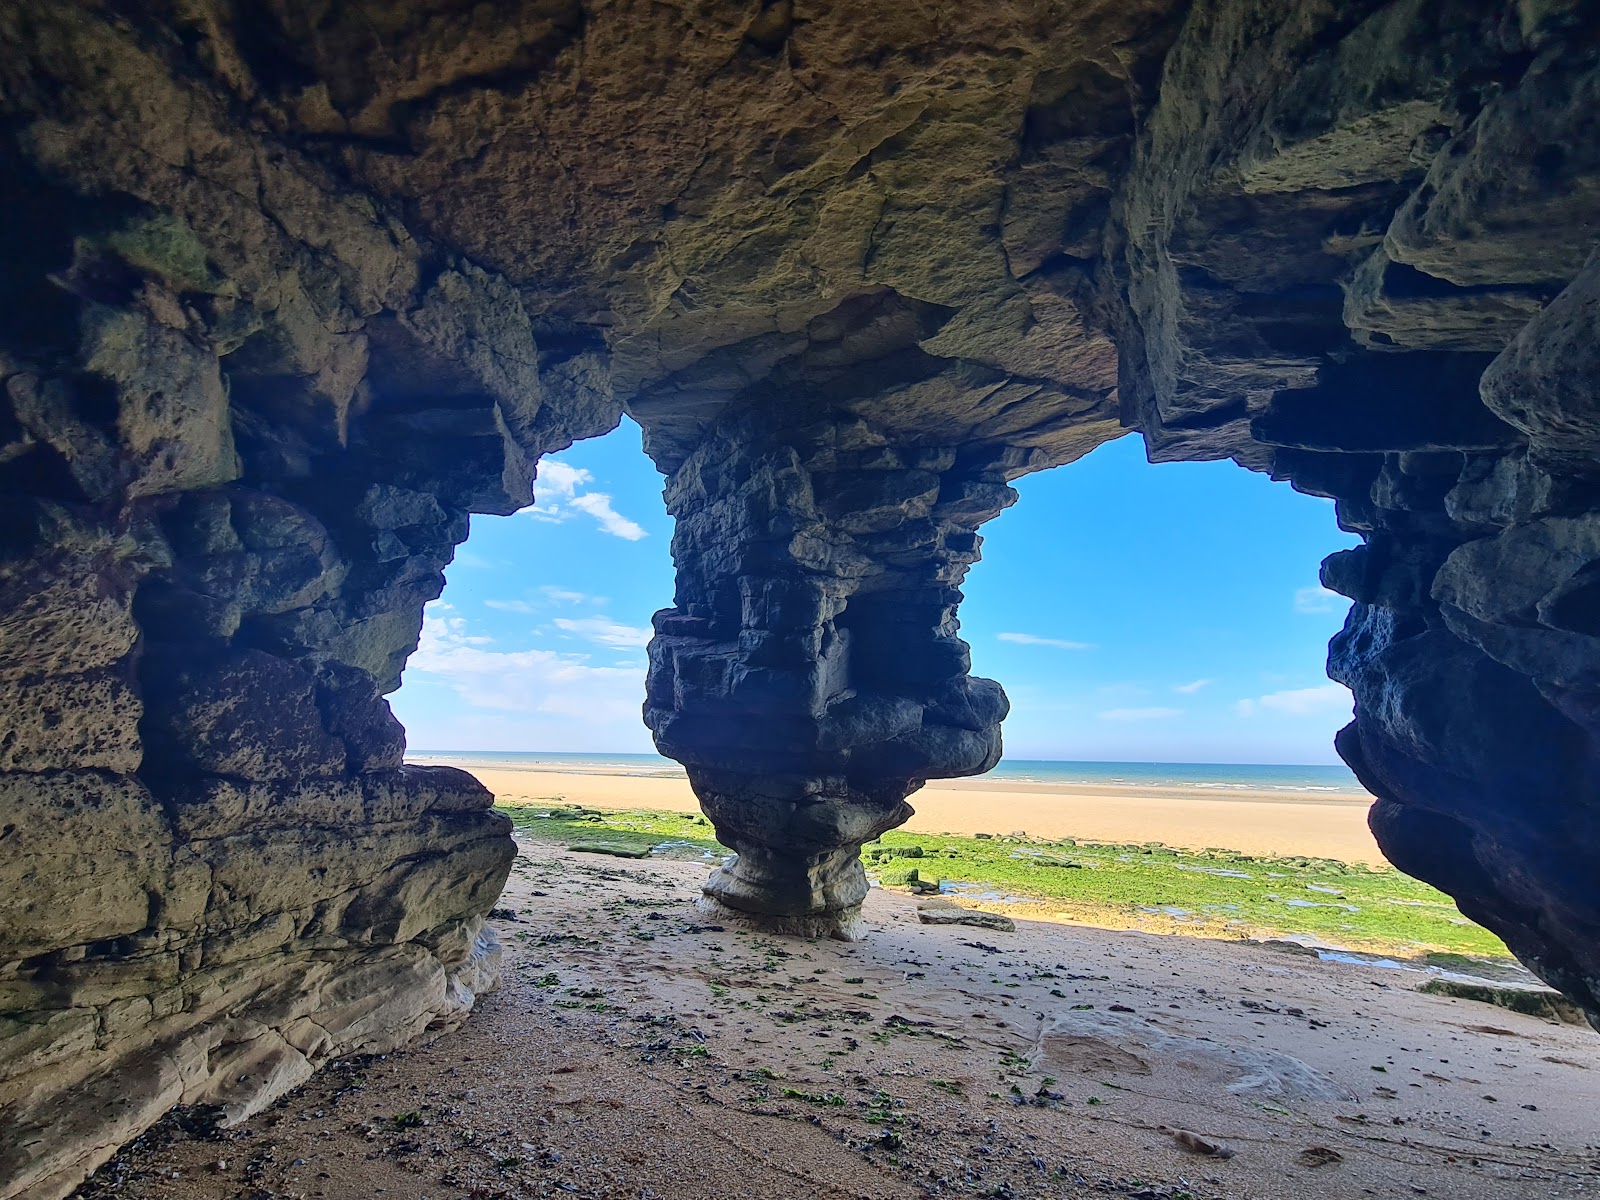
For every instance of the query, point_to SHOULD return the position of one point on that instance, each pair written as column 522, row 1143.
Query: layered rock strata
column 1357, row 250
column 244, row 418
column 810, row 676
column 290, row 291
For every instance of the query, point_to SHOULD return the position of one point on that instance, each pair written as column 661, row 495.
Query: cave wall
column 245, row 417
column 291, row 290
column 1357, row 248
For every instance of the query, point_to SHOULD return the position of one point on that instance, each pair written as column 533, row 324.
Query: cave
column 291, row 290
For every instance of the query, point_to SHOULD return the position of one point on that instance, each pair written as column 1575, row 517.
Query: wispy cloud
column 598, row 506
column 560, row 493
column 1031, row 639
column 449, row 625
column 1299, row 702
column 1316, row 600
column 514, row 606
column 523, row 681
column 551, row 595
column 603, row 631
column 1189, row 689
column 1140, row 714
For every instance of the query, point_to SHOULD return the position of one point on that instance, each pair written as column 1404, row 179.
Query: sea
column 1222, row 777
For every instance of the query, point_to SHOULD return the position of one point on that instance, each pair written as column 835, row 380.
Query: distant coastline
column 1310, row 780
column 1256, row 809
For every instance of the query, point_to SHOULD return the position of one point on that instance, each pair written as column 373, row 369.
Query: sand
column 1331, row 825
column 638, row 1049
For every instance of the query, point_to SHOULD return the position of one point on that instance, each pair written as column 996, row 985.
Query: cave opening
column 1166, row 612
column 538, row 640
column 1160, row 629
column 1116, row 598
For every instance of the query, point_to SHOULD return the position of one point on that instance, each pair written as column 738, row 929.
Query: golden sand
column 1328, row 826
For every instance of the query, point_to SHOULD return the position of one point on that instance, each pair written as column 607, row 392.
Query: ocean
column 1222, row 777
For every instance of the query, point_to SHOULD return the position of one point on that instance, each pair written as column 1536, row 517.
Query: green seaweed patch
column 824, row 1099
column 1217, row 892
column 639, row 831
column 898, row 876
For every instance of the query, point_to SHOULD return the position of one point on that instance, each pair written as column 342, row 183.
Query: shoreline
column 1258, row 823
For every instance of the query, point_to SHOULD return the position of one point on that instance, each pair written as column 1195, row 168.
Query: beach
column 1321, row 824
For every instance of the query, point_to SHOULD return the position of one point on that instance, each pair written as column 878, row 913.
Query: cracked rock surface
column 292, row 290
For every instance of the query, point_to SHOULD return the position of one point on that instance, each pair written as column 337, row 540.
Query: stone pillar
column 809, row 675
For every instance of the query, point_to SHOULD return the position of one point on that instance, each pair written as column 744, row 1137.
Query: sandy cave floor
column 635, row 1051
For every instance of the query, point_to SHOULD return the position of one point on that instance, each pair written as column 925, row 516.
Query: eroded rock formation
column 1370, row 271
column 245, row 418
column 290, row 290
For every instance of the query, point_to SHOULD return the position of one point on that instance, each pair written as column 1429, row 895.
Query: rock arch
column 288, row 295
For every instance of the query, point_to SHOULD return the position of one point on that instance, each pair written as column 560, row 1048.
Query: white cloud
column 1030, row 639
column 553, row 595
column 1316, row 600
column 1140, row 714
column 515, row 606
column 603, row 631
column 559, row 495
column 598, row 506
column 1189, row 689
column 1299, row 702
column 523, row 681
column 448, row 625
column 557, row 481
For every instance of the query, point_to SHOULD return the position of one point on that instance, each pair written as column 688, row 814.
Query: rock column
column 809, row 675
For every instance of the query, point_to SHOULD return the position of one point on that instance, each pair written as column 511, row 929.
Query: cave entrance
column 1162, row 635
column 1140, row 612
column 1169, row 769
column 538, row 642
column 1135, row 613
column 1160, row 630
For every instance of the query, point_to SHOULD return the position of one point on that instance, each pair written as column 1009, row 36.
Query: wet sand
column 1325, row 825
column 637, row 1050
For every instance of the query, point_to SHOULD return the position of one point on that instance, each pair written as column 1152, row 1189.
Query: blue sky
column 1133, row 612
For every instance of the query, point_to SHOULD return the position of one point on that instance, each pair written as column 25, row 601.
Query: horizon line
column 1155, row 762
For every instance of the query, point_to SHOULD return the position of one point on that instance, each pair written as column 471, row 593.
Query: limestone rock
column 1543, row 382
column 60, row 722
column 944, row 912
column 286, row 298
column 85, row 859
column 250, row 714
